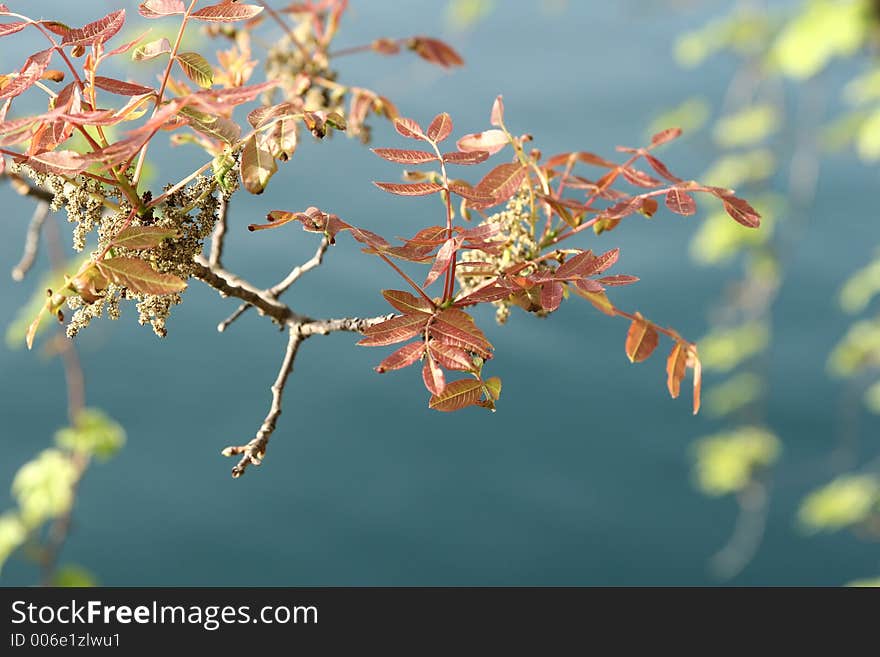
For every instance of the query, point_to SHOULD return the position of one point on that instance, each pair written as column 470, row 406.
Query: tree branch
column 352, row 324
column 218, row 238
column 279, row 289
column 254, row 451
column 32, row 241
column 23, row 187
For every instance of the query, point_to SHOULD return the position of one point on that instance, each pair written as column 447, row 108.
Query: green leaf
column 725, row 462
column 143, row 237
column 846, row 501
column 92, row 434
column 458, row 394
column 196, row 68
column 13, row 534
column 71, row 575
column 151, row 50
column 139, row 276
column 43, row 487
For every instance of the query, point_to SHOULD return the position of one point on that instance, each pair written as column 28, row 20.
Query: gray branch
column 254, row 451
column 218, row 238
column 279, row 289
column 32, row 241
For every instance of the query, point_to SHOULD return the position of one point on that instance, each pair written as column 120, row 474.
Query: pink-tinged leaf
column 403, row 357
column 139, row 276
column 96, row 32
column 619, row 279
column 12, row 28
column 474, row 197
column 551, row 295
column 486, row 294
column 586, row 264
column 622, row 209
column 452, row 358
column 404, row 156
column 30, row 73
column 226, row 13
column 639, row 178
column 257, row 166
column 694, row 362
column 680, row 202
column 261, row 116
column 151, row 50
column 457, row 395
column 407, row 303
column 579, row 156
column 641, row 340
column 598, row 298
column 603, row 262
column 433, row 376
column 503, row 181
column 470, row 157
column 661, row 168
column 442, row 261
column 496, row 118
column 455, row 327
column 435, row 51
column 143, row 237
column 125, row 47
column 440, row 128
column 665, row 136
column 741, row 211
column 196, row 68
column 122, row 88
column 490, row 141
column 676, row 365
column 217, row 101
column 409, row 128
column 409, row 189
column 395, row 330
column 64, row 163
column 160, row 8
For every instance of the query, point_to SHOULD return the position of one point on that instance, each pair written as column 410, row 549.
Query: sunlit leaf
column 407, row 303
column 96, row 32
column 257, row 166
column 143, row 237
column 196, row 68
column 404, row 156
column 490, row 141
column 139, row 276
column 396, row 329
column 457, row 395
column 226, row 12
column 440, row 128
column 160, row 8
column 496, row 117
column 403, row 357
column 409, row 189
column 641, row 340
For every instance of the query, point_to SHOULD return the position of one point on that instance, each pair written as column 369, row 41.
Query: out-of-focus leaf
column 71, row 575
column 92, row 433
column 846, row 501
column 747, row 127
column 726, row 462
column 43, row 487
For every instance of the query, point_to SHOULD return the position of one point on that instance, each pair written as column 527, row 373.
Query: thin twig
column 351, row 324
column 279, row 289
column 254, row 451
column 218, row 238
column 31, row 241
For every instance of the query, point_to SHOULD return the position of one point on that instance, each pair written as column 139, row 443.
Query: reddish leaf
column 64, row 163
column 122, row 88
column 639, row 178
column 11, row 28
column 457, row 395
column 619, row 279
column 407, row 303
column 226, row 13
column 474, row 197
column 403, row 357
column 396, row 329
column 257, row 166
column 409, row 189
column 486, row 294
column 261, row 116
column 433, row 377
column 641, row 340
column 676, row 366
column 490, row 141
column 471, row 157
column 580, row 156
column 698, row 377
column 442, row 261
column 435, row 51
column 404, row 156
column 385, row 46
column 139, row 276
column 96, row 32
column 455, row 327
column 496, row 118
column 661, row 169
column 440, row 128
column 680, row 202
column 452, row 358
column 160, row 8
column 409, row 128
column 551, row 295
column 503, row 181
column 30, row 73
column 742, row 212
column 665, row 136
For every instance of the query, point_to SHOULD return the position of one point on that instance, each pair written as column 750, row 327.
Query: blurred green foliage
column 846, row 501
column 727, row 462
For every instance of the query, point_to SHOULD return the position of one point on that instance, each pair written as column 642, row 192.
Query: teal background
column 582, row 477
